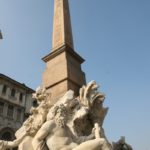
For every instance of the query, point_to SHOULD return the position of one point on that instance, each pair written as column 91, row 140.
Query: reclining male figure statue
column 59, row 136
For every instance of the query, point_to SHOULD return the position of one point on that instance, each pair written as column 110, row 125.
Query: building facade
column 15, row 103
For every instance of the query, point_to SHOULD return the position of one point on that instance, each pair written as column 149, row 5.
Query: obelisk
column 62, row 31
column 63, row 65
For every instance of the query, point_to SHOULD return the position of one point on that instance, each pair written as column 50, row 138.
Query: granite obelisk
column 63, row 65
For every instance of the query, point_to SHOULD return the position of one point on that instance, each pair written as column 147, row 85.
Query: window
column 13, row 92
column 1, row 108
column 20, row 97
column 19, row 114
column 4, row 90
column 10, row 111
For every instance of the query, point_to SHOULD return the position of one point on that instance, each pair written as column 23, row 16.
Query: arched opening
column 7, row 136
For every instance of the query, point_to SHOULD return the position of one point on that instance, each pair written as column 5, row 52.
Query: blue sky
column 114, row 38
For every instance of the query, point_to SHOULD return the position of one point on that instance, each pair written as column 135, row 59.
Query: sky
column 114, row 38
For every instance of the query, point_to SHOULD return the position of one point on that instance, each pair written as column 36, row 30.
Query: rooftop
column 22, row 85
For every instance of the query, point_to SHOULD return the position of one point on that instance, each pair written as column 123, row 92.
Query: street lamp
column 1, row 37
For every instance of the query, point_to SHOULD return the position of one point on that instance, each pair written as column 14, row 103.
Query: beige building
column 15, row 103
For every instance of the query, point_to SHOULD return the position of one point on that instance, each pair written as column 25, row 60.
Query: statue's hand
column 93, row 130
column 92, row 135
column 97, row 130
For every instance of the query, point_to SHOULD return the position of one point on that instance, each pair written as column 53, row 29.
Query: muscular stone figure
column 10, row 144
column 58, row 136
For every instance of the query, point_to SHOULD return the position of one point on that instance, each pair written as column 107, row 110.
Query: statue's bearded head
column 60, row 115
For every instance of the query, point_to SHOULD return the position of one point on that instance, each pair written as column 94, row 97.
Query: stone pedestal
column 63, row 72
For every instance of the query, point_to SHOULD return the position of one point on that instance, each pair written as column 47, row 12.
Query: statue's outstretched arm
column 10, row 144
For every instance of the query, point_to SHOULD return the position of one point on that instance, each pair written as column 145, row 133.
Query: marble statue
column 121, row 145
column 72, row 123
